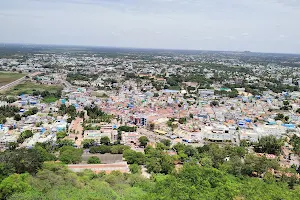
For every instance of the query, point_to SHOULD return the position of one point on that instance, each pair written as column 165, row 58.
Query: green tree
column 45, row 154
column 20, row 161
column 179, row 147
column 105, row 140
column 119, row 149
column 286, row 118
column 127, row 128
column 244, row 143
column 269, row 178
column 65, row 142
column 12, row 145
column 206, row 161
column 158, row 162
column 214, row 103
column 70, row 155
column 13, row 184
column 134, row 157
column 166, row 142
column 182, row 120
column 94, row 160
column 143, row 141
column 100, row 149
column 17, row 117
column 87, row 143
column 268, row 144
column 258, row 164
column 135, row 168
column 24, row 135
column 279, row 116
column 151, row 126
column 61, row 135
column 233, row 166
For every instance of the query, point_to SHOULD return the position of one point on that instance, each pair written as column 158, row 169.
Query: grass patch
column 174, row 88
column 29, row 87
column 8, row 77
column 50, row 99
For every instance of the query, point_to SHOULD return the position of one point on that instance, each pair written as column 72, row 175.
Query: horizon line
column 142, row 48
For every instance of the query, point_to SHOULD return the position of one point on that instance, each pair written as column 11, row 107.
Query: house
column 60, row 125
column 205, row 92
column 129, row 137
column 217, row 133
column 6, row 139
column 138, row 120
column 190, row 84
column 98, row 134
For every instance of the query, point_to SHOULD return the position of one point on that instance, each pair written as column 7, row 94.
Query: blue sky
column 255, row 25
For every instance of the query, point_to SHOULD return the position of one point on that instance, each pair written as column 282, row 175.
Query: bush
column 134, row 157
column 100, row 149
column 105, row 140
column 24, row 135
column 61, row 135
column 166, row 142
column 135, row 169
column 70, row 155
column 94, row 160
column 119, row 149
column 87, row 143
column 268, row 144
column 143, row 141
column 127, row 128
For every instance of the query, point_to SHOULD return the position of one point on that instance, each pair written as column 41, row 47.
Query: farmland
column 6, row 78
column 30, row 87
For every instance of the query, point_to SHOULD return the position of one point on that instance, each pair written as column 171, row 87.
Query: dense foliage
column 295, row 141
column 70, row 110
column 20, row 161
column 7, row 111
column 94, row 160
column 127, row 128
column 208, row 172
column 54, row 181
column 24, row 135
column 70, row 155
column 82, row 77
column 115, row 149
column 143, row 141
column 268, row 144
column 95, row 113
column 47, row 94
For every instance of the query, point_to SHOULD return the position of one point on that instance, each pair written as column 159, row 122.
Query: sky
column 233, row 25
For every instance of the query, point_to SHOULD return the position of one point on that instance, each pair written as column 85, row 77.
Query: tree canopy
column 94, row 160
column 268, row 144
column 143, row 141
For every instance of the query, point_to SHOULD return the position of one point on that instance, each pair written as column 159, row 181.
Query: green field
column 9, row 77
column 50, row 99
column 29, row 88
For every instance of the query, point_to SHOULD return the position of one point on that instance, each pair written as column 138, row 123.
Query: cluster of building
column 127, row 89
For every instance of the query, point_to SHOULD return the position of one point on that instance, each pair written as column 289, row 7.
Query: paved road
column 16, row 82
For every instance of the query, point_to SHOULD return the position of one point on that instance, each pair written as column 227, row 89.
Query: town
column 110, row 109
